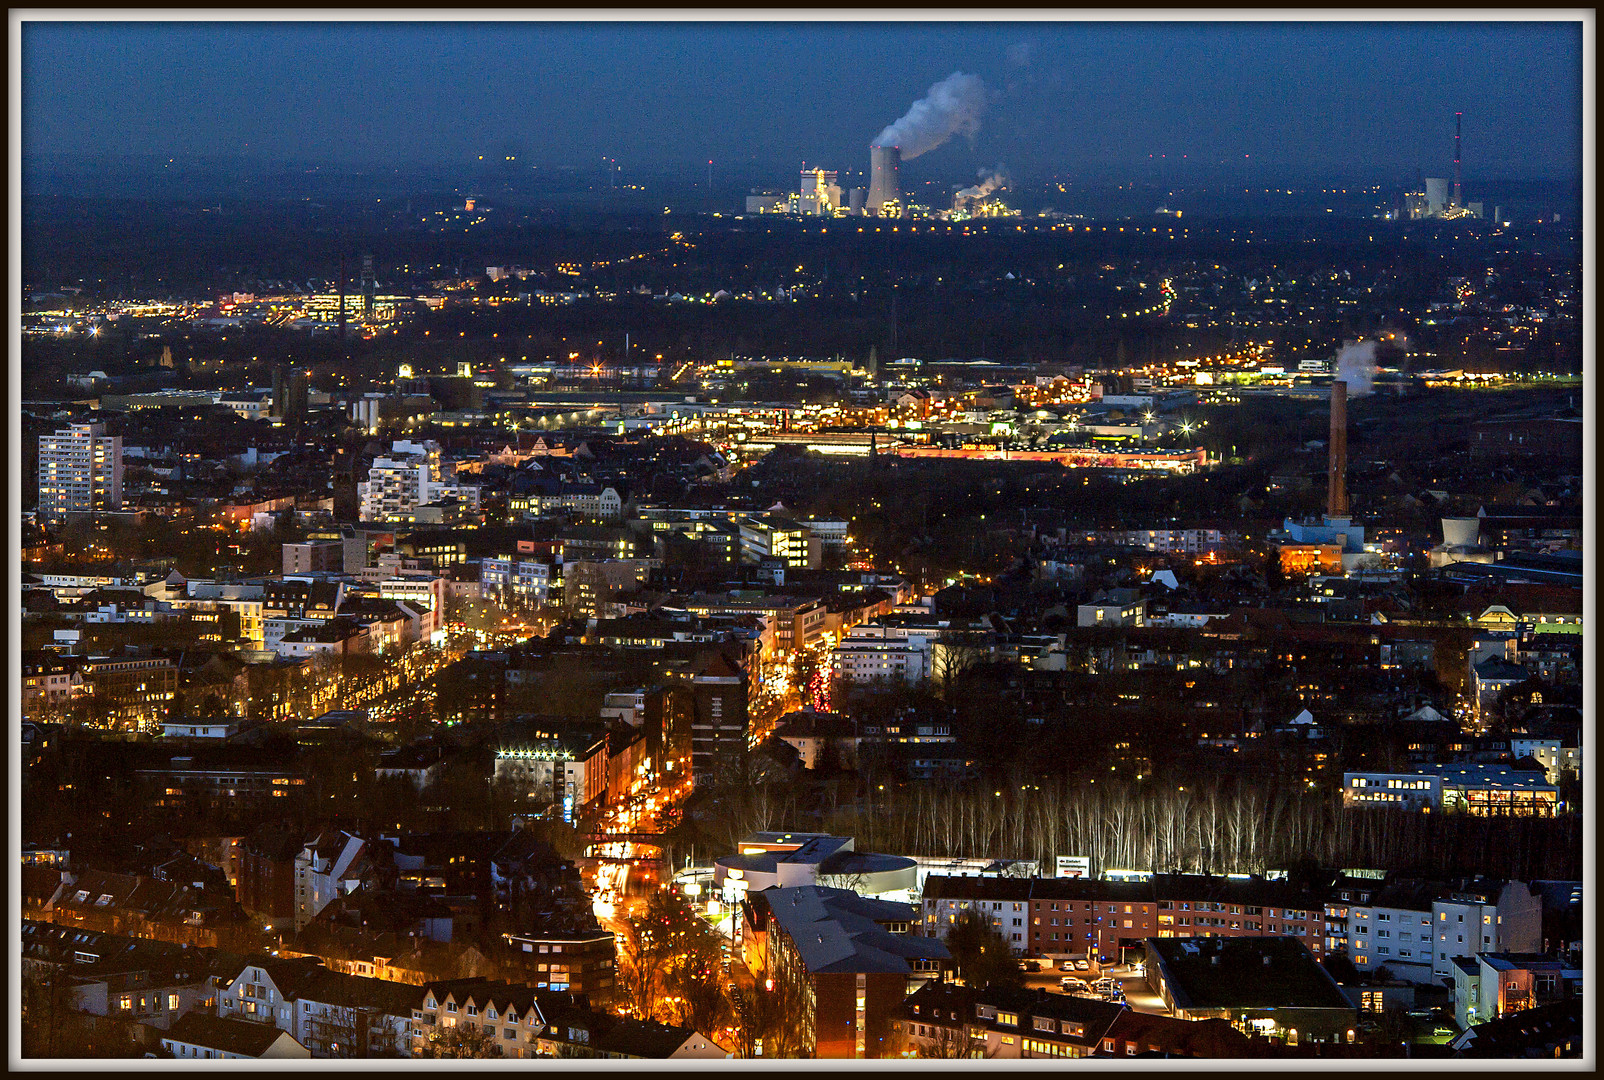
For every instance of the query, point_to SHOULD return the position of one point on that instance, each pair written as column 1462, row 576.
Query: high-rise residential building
column 409, row 478
column 80, row 471
column 719, row 719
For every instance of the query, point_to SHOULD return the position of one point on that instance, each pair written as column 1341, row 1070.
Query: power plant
column 1434, row 199
column 952, row 106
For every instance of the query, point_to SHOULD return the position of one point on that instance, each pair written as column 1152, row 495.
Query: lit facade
column 80, row 471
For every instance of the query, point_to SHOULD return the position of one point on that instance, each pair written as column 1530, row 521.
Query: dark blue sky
column 1303, row 100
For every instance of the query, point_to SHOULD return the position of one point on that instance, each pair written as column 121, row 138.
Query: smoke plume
column 991, row 180
column 952, row 107
column 1356, row 366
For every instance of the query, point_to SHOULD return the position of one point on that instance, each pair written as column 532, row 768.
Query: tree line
column 1216, row 826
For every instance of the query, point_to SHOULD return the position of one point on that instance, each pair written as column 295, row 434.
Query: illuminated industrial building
column 819, row 192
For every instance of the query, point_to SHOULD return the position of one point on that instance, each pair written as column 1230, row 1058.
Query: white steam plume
column 952, row 107
column 1356, row 366
column 991, row 180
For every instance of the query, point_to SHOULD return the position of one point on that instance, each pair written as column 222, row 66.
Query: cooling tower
column 1337, row 493
column 1461, row 532
column 1436, row 194
column 883, row 184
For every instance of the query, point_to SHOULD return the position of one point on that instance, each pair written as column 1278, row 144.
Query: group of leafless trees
column 1216, row 826
column 670, row 966
column 776, row 1016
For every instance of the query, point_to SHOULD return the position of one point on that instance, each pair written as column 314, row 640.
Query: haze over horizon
column 1269, row 102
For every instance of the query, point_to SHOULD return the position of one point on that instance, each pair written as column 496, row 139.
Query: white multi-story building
column 1176, row 540
column 511, row 579
column 424, row 594
column 1416, row 930
column 408, row 478
column 831, row 532
column 329, row 866
column 80, row 471
column 583, row 500
column 875, row 653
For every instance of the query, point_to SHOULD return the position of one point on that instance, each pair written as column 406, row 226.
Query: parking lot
column 1138, row 994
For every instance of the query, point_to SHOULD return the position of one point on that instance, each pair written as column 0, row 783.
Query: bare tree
column 461, row 1040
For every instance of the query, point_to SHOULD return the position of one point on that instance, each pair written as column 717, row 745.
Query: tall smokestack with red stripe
column 1457, row 202
column 1337, row 489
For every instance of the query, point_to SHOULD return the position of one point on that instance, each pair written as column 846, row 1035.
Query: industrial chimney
column 1458, row 202
column 883, row 184
column 1337, row 491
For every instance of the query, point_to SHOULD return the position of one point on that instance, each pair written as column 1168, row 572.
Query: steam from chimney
column 952, row 107
column 991, row 180
column 1356, row 366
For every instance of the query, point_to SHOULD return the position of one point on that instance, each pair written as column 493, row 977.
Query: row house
column 1494, row 985
column 1063, row 917
column 331, row 1014
column 142, row 906
column 150, row 982
column 522, row 1023
column 948, row 1020
column 50, row 681
column 512, row 1019
column 197, row 1036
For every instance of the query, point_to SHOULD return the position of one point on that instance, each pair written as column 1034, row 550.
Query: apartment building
column 402, row 483
column 581, row 499
column 883, row 653
column 1062, row 917
column 948, row 1020
column 136, row 690
column 576, row 959
column 1417, row 929
column 80, row 471
column 329, row 865
column 519, row 580
column 856, row 959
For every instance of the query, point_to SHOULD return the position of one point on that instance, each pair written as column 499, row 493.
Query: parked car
column 1069, row 965
column 1080, row 965
column 1031, row 966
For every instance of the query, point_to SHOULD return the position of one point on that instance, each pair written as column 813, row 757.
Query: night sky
column 1302, row 100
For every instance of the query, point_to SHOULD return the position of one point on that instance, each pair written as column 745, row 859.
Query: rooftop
column 1244, row 973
